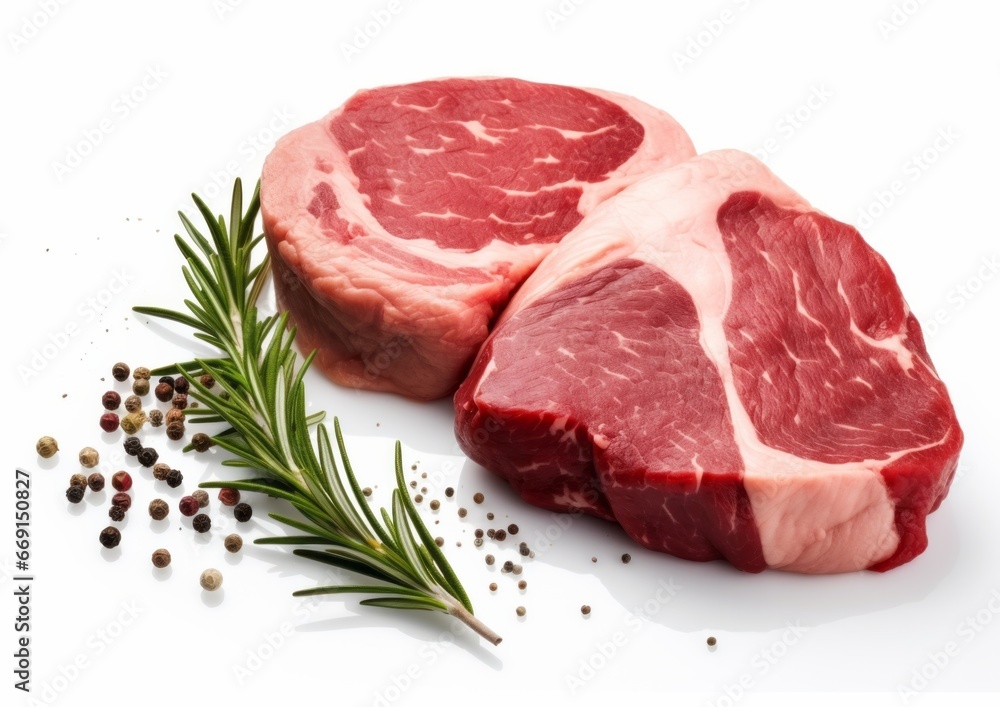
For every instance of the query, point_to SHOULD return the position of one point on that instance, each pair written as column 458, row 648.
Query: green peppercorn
column 74, row 494
column 233, row 542
column 110, row 537
column 141, row 373
column 211, row 579
column 161, row 558
column 133, row 422
column 201, row 523
column 158, row 509
column 201, row 496
column 140, row 386
column 155, row 418
column 201, row 442
column 120, row 371
column 89, row 457
column 174, row 478
column 46, row 447
column 242, row 512
column 96, row 482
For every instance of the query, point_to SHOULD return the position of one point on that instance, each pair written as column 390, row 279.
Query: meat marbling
column 400, row 224
column 724, row 371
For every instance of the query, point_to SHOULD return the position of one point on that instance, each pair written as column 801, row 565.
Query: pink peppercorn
column 109, row 421
column 111, row 400
column 122, row 481
column 188, row 505
column 229, row 496
column 122, row 499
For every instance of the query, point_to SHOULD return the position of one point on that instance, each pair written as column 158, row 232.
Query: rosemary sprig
column 264, row 405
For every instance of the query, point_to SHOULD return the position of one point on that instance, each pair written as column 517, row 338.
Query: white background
column 114, row 112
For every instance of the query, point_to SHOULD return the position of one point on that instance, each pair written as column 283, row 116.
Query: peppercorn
column 512, row 528
column 89, row 457
column 522, row 585
column 585, row 609
column 74, row 494
column 122, row 499
column 175, row 430
column 229, row 496
column 140, row 386
column 161, row 558
column 148, row 456
column 141, row 373
column 163, row 392
column 133, row 422
column 517, row 569
column 521, row 611
column 500, row 535
column 478, row 542
column 109, row 422
column 435, row 504
column 489, row 516
column 626, row 558
column 491, row 533
column 478, row 497
column 242, row 512
column 78, row 480
column 46, row 447
column 111, row 400
column 462, row 513
column 201, row 442
column 233, row 542
column 449, row 492
column 181, row 384
column 155, row 418
column 110, row 537
column 439, row 541
column 174, row 415
column 508, row 566
column 493, row 586
column 96, row 482
column 201, row 522
column 116, row 513
column 122, row 481
column 188, row 506
column 207, row 381
column 158, row 509
column 478, row 533
column 133, row 403
column 180, row 401
column 120, row 371
column 367, row 490
column 160, row 471
column 490, row 559
column 201, row 496
column 132, row 446
column 174, row 478
column 418, row 498
column 523, row 549
column 211, row 579
column 166, row 379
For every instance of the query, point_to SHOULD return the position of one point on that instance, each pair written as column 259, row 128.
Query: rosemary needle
column 269, row 431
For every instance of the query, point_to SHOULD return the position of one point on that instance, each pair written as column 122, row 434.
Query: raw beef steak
column 400, row 224
column 724, row 371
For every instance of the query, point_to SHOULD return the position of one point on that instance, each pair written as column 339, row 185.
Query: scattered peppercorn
column 211, row 579
column 180, row 401
column 229, row 496
column 175, row 430
column 109, row 421
column 122, row 481
column 140, row 386
column 158, row 509
column 508, row 566
column 491, row 533
column 478, row 542
column 96, row 481
column 132, row 446
column 435, row 504
column 493, row 586
column 78, row 480
column 593, row 559
column 174, row 478
column 489, row 516
column 133, row 422
column 202, row 523
column 585, row 609
column 626, row 558
column 242, row 512
column 89, row 457
column 111, row 400
column 110, row 537
column 188, row 506
column 711, row 641
column 201, row 442
column 233, row 542
column 207, row 381
column 163, row 392
column 148, row 456
column 478, row 497
column 46, row 447
column 521, row 611
column 122, row 499
column 449, row 492
column 120, row 371
column 478, row 533
column 74, row 494
column 490, row 559
column 155, row 418
column 161, row 558
column 413, row 484
column 160, row 471
column 133, row 403
column 462, row 513
column 169, row 380
column 174, row 415
column 116, row 513
column 517, row 569
column 418, row 498
column 512, row 528
column 201, row 496
column 367, row 490
column 522, row 585
column 439, row 541
column 524, row 549
column 141, row 373
column 181, row 384
column 500, row 535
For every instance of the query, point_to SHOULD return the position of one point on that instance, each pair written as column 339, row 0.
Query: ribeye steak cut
column 400, row 224
column 724, row 371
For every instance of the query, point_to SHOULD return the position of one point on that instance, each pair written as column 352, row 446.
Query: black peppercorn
column 201, row 522
column 163, row 392
column 522, row 585
column 242, row 512
column 181, row 385
column 74, row 494
column 116, row 513
column 96, row 482
column 111, row 400
column 508, row 566
column 120, row 371
column 109, row 421
column 478, row 497
column 462, row 513
column 158, row 509
column 478, row 533
column 110, row 537
column 512, row 528
column 181, row 401
column 435, row 504
column 449, row 492
column 201, row 442
column 175, row 430
column 491, row 533
column 490, row 559
column 524, row 549
column 493, row 586
column 169, row 380
column 626, row 558
column 500, row 535
column 155, row 418
column 132, row 446
column 148, row 456
column 161, row 558
column 521, row 611
column 489, row 516
column 174, row 478
column 585, row 609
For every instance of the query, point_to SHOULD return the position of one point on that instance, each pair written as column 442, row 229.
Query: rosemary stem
column 470, row 620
